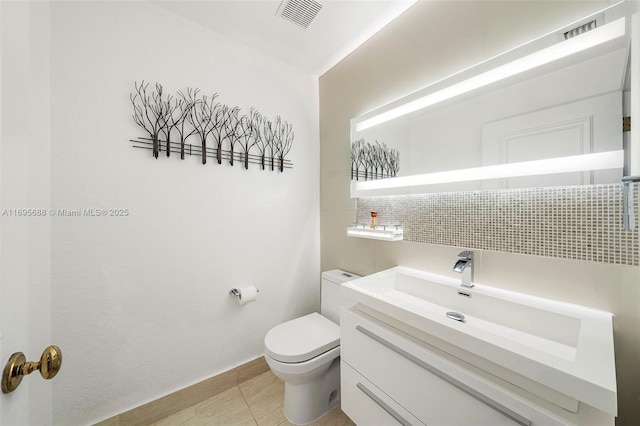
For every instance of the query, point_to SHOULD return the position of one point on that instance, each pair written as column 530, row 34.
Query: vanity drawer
column 428, row 385
column 365, row 404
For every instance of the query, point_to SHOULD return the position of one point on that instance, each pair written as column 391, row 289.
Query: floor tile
column 226, row 408
column 335, row 417
column 265, row 396
column 256, row 402
column 179, row 418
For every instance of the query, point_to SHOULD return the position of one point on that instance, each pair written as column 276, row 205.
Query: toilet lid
column 302, row 338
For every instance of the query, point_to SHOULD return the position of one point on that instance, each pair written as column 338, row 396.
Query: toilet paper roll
column 247, row 294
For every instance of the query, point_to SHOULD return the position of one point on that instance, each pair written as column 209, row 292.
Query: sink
column 565, row 347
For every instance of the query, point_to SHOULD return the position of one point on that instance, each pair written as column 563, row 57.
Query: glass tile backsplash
column 573, row 222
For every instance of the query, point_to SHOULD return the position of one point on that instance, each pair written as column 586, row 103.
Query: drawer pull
column 454, row 382
column 393, row 413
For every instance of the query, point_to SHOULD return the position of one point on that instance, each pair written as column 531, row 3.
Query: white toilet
column 305, row 353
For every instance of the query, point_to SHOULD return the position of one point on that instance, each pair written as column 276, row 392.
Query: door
column 582, row 127
column 25, row 300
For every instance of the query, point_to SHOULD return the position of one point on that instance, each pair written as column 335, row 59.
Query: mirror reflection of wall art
column 373, row 160
column 219, row 131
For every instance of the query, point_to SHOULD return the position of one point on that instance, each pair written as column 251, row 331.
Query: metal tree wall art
column 373, row 161
column 282, row 139
column 249, row 133
column 171, row 118
column 149, row 111
column 188, row 103
column 269, row 146
column 220, row 131
column 201, row 118
column 232, row 126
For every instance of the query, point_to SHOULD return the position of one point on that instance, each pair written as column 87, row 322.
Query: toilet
column 305, row 354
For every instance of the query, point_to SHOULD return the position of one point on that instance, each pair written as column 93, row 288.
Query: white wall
column 140, row 303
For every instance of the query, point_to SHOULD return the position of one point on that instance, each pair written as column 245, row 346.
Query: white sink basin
column 566, row 347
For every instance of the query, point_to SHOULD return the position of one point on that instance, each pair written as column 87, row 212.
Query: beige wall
column 430, row 41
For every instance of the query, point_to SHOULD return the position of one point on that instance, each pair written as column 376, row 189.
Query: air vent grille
column 580, row 30
column 301, row 12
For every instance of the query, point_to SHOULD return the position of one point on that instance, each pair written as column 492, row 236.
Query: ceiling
column 339, row 27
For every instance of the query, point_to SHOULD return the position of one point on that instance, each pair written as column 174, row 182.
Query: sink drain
column 457, row 316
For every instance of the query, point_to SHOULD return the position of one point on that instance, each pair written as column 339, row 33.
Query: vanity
column 419, row 348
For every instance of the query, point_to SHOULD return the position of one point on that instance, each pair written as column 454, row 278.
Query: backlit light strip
column 574, row 163
column 563, row 49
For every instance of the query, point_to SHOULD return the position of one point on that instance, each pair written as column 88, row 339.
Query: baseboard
column 184, row 398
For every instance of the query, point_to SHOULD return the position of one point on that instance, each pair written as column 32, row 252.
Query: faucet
column 464, row 265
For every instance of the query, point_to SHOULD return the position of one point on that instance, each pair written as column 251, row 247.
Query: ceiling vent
column 580, row 30
column 301, row 12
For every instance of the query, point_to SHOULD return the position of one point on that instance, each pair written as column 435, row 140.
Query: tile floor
column 255, row 402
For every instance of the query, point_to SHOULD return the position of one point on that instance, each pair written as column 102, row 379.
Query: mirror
column 548, row 113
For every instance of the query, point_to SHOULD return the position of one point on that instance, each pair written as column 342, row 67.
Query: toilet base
column 307, row 402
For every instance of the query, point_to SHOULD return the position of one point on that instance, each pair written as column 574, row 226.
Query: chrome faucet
column 464, row 265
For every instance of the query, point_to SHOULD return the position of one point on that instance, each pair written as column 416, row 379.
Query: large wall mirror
column 548, row 113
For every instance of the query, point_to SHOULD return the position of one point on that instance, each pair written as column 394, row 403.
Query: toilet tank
column 331, row 296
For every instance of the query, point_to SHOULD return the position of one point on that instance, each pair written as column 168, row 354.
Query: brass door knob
column 18, row 367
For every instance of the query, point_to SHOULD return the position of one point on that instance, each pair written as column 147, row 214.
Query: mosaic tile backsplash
column 573, row 222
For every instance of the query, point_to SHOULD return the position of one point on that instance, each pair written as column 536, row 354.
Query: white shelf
column 390, row 233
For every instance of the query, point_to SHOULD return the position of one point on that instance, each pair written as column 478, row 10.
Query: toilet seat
column 302, row 339
column 295, row 371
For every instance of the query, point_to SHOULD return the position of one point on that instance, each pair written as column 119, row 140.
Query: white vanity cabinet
column 389, row 377
column 368, row 404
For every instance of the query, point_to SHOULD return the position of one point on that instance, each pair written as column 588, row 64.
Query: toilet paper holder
column 236, row 292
